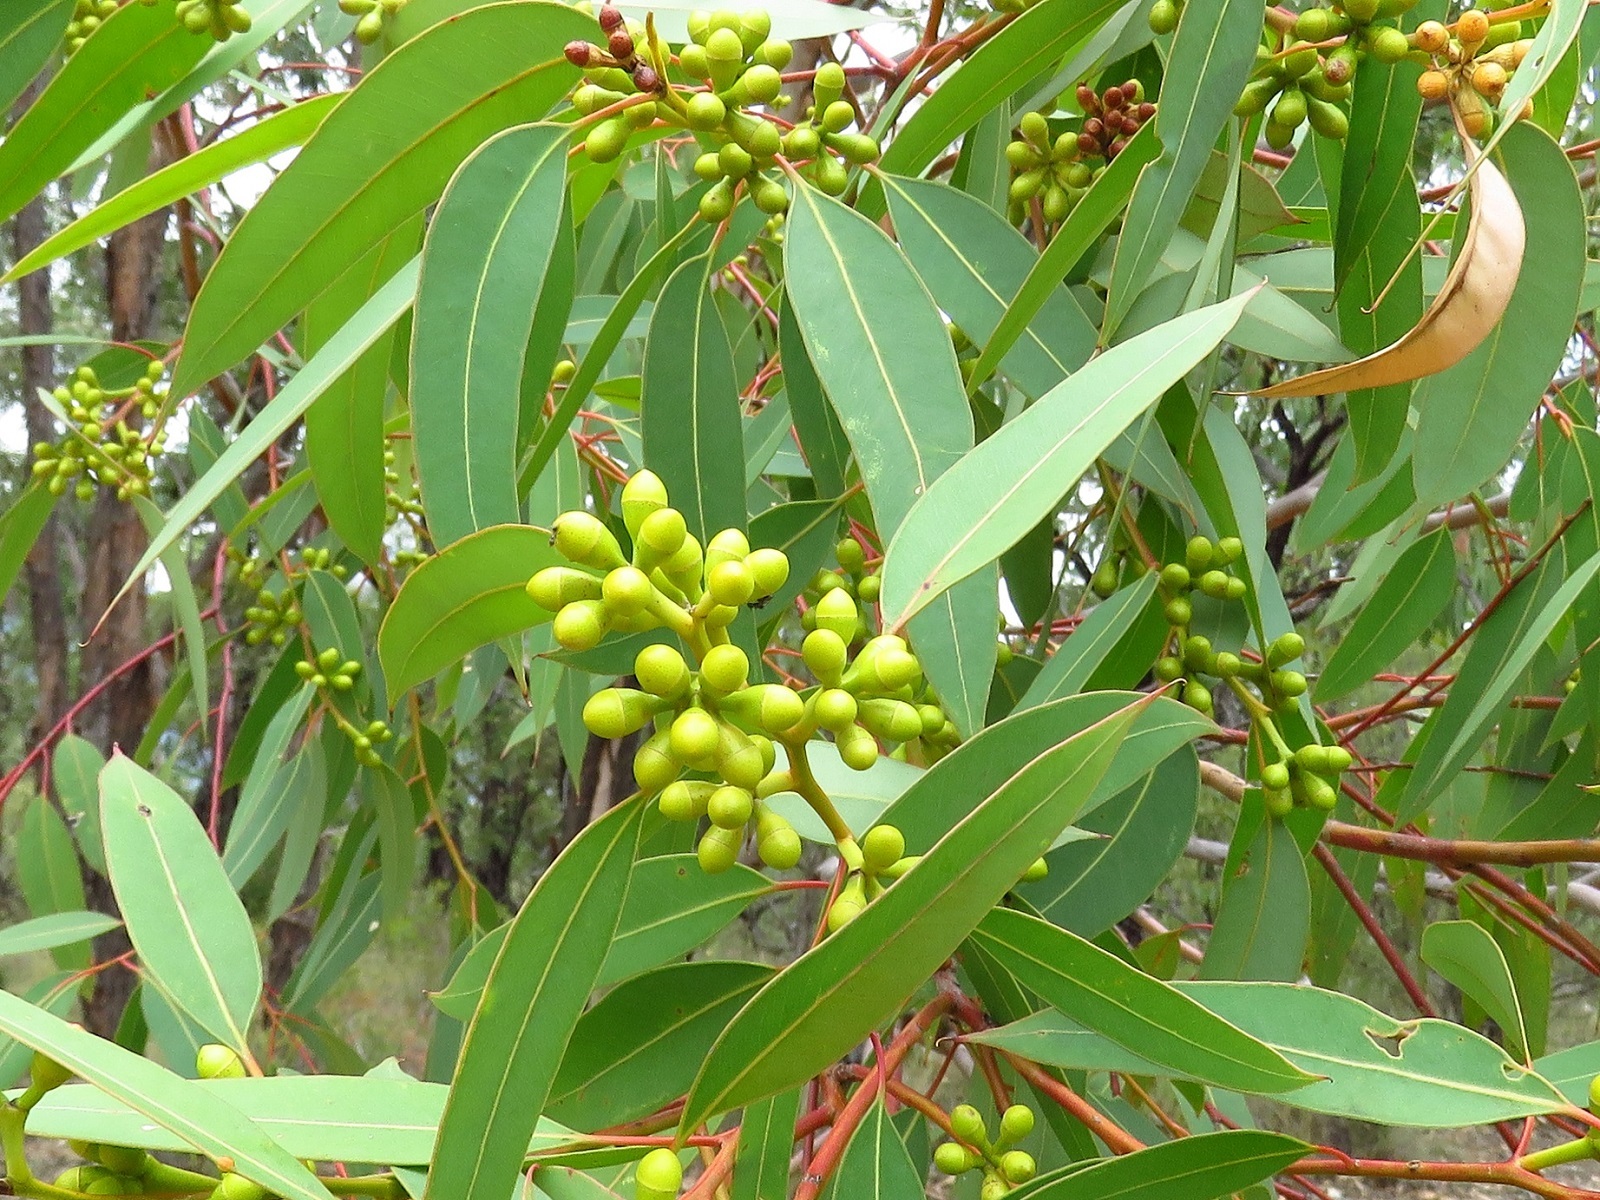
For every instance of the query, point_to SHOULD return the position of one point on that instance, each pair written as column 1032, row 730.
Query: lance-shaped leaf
column 899, row 397
column 55, row 929
column 1202, row 1167
column 1137, row 1011
column 468, row 595
column 202, row 1120
column 30, row 31
column 288, row 406
column 833, row 996
column 1468, row 956
column 536, row 991
column 384, row 154
column 689, row 407
column 989, row 500
column 279, row 132
column 137, row 51
column 483, row 266
column 191, row 932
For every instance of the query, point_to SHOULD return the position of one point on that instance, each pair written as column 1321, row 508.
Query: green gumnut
column 719, row 849
column 1017, row 1166
column 848, row 905
column 627, row 591
column 868, row 589
column 1279, row 802
column 769, row 706
column 955, row 1159
column 828, row 85
column 1290, row 110
column 1163, row 16
column 583, row 538
column 1178, row 612
column 824, row 652
column 1289, row 684
column 237, row 1187
column 731, row 583
column 837, row 612
column 661, row 534
column 46, row 1074
column 881, row 848
column 704, row 111
column 892, row 720
column 834, row 709
column 776, row 841
column 857, row 748
column 1336, row 759
column 658, row 1176
column 685, row 799
column 555, row 587
column 216, row 1061
column 1314, row 25
column 1016, row 1123
column 1037, row 870
column 1285, row 649
column 1169, row 669
column 1198, row 697
column 692, row 58
column 730, row 545
column 1388, row 45
column 735, row 160
column 695, row 737
column 606, row 140
column 725, row 669
column 762, row 84
column 857, row 148
column 730, row 807
column 717, row 203
column 1175, row 577
column 771, row 197
column 1255, row 96
column 580, row 625
column 966, row 1123
column 775, row 52
column 1198, row 554
column 1275, row 776
column 662, row 671
column 1214, row 583
column 769, row 570
column 801, row 142
column 617, row 712
column 642, row 495
column 832, row 176
column 116, row 1185
column 1320, row 793
column 654, row 767
column 739, row 758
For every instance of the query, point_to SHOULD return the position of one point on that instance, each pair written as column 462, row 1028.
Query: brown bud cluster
column 1112, row 117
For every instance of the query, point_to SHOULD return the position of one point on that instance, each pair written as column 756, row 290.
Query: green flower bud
column 583, row 538
column 967, row 1124
column 1197, row 554
column 1327, row 119
column 1214, row 583
column 1178, row 612
column 762, row 84
column 581, row 625
column 237, row 1187
column 719, row 849
column 824, row 652
column 685, row 799
column 1387, row 44
column 837, row 612
column 725, row 668
column 730, row 583
column 1197, row 696
column 754, row 26
column 717, row 204
column 216, row 1061
column 642, row 495
column 654, row 767
column 1036, row 871
column 1275, row 776
column 771, row 706
column 1290, row 110
column 1289, row 683
column 124, row 1160
column 1236, row 589
column 46, row 1074
column 834, row 709
column 661, row 534
column 606, row 140
column 662, row 671
column 1337, row 759
column 848, row 905
column 1279, row 802
column 771, row 197
column 723, row 46
column 801, row 142
column 116, row 1185
column 776, row 841
column 857, row 748
column 1320, row 793
column 1175, row 577
column 617, row 712
column 857, row 148
column 728, row 546
column 708, row 166
column 658, row 1176
column 828, row 85
column 730, row 807
column 892, row 720
column 881, row 848
column 868, row 589
column 769, row 570
column 831, row 175
column 1168, row 669
column 705, row 111
column 1285, row 649
column 1163, row 17
column 695, row 737
column 775, row 52
column 1017, row 1166
column 627, row 591
column 1016, row 1123
column 955, row 1159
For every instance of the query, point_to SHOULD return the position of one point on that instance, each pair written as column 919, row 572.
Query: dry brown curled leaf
column 1472, row 301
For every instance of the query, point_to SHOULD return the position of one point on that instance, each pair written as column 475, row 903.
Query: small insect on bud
column 610, row 18
column 580, row 54
column 645, row 78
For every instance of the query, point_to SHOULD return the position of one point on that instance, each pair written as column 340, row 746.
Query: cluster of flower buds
column 87, row 16
column 730, row 67
column 1057, row 166
column 1308, row 777
column 1003, row 1167
column 100, row 449
column 370, row 15
column 220, row 18
column 401, row 502
column 1204, row 570
column 329, row 669
column 876, row 863
column 1301, row 85
column 1471, row 65
column 271, row 617
column 669, row 583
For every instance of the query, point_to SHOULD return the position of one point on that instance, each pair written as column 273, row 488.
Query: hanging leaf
column 1466, row 955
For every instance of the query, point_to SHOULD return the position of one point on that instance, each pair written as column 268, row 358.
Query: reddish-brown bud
column 579, row 54
column 1095, row 128
column 1087, row 144
column 621, row 45
column 646, row 79
column 1116, row 148
column 1087, row 100
column 1146, row 111
column 610, row 18
column 1112, row 98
